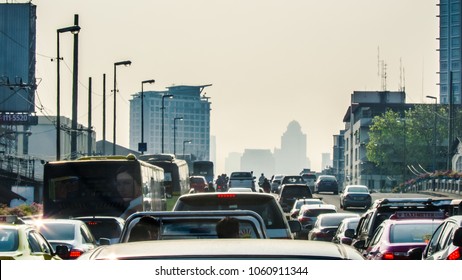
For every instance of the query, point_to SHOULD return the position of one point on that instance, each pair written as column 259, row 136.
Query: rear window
column 105, row 229
column 296, row 191
column 241, row 175
column 196, row 181
column 58, row 231
column 410, row 233
column 265, row 206
column 317, row 212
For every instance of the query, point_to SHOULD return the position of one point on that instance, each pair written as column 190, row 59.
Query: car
column 310, row 179
column 242, row 179
column 346, row 224
column 396, row 236
column 302, row 201
column 382, row 209
column 290, row 192
column 326, row 183
column 74, row 234
column 104, row 228
column 355, row 196
column 20, row 241
column 308, row 215
column 292, row 179
column 264, row 204
column 197, row 224
column 444, row 244
column 327, row 224
column 198, row 183
column 224, row 249
column 275, row 182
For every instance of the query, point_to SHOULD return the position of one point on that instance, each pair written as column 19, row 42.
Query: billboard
column 17, row 57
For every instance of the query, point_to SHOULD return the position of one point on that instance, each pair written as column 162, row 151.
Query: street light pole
column 434, row 131
column 142, row 146
column 126, row 63
column 184, row 142
column 163, row 109
column 174, row 133
column 72, row 29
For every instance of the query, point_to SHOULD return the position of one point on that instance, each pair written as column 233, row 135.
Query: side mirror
column 295, row 226
column 104, row 241
column 294, row 214
column 415, row 253
column 350, row 233
column 457, row 241
column 359, row 244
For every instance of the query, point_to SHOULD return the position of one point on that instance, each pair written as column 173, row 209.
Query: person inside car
column 228, row 227
column 147, row 228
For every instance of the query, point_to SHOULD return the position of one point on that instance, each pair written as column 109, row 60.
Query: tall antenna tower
column 382, row 71
column 402, row 78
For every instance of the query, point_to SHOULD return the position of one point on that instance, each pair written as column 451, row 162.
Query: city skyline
column 279, row 62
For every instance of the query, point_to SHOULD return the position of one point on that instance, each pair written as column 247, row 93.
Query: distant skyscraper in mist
column 326, row 161
column 291, row 157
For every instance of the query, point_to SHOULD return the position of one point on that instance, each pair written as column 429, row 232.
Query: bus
column 102, row 186
column 176, row 172
column 204, row 168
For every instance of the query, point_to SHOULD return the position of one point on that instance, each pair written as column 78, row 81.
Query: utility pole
column 75, row 82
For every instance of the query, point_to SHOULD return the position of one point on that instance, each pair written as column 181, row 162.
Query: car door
column 441, row 240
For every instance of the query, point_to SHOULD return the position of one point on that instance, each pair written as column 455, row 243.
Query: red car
column 198, row 183
column 403, row 231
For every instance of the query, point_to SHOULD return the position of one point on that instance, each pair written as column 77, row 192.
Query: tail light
column 304, row 219
column 455, row 255
column 388, row 256
column 75, row 253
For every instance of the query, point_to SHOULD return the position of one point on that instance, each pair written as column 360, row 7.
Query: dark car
column 289, row 193
column 355, row 196
column 326, row 183
column 104, row 228
column 326, row 225
column 346, row 224
column 445, row 243
column 263, row 204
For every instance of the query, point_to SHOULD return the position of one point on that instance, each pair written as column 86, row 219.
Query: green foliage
column 22, row 210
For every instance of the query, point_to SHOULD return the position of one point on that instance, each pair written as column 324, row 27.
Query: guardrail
column 444, row 185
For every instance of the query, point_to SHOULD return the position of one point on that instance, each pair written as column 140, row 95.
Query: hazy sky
column 270, row 61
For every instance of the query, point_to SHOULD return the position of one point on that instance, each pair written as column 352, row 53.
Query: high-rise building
column 291, row 158
column 450, row 50
column 185, row 113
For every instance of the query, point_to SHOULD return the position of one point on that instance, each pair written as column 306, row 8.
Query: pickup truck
column 242, row 179
column 197, row 224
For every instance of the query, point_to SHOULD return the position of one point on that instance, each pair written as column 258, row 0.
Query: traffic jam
column 105, row 208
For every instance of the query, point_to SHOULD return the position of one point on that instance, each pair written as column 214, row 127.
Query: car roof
column 240, row 189
column 338, row 214
column 239, row 248
column 317, row 206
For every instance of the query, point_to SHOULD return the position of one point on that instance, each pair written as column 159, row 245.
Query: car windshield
column 9, row 240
